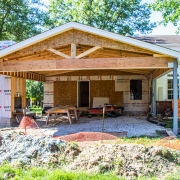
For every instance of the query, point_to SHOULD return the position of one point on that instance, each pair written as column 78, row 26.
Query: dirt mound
column 87, row 136
column 127, row 160
column 123, row 159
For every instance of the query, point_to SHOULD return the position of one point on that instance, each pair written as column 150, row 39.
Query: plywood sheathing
column 63, row 42
column 105, row 88
column 65, row 93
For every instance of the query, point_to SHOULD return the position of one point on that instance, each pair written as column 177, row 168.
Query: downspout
column 154, row 96
column 175, row 97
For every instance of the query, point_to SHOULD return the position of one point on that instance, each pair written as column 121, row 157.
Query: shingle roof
column 159, row 39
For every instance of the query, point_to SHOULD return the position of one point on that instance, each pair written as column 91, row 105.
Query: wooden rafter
column 59, row 53
column 88, row 52
column 160, row 72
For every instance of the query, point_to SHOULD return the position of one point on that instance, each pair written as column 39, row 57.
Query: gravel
column 23, row 149
column 133, row 125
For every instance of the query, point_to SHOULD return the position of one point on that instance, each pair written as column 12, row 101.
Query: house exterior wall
column 162, row 83
column 121, row 84
column 5, row 100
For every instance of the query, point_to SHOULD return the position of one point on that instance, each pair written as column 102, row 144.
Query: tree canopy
column 20, row 19
column 34, row 90
column 119, row 16
column 170, row 10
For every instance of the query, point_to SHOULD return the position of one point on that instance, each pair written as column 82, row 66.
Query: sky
column 155, row 17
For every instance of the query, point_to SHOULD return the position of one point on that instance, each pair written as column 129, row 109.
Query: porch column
column 175, row 97
column 154, row 97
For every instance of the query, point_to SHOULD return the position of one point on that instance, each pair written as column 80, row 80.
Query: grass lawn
column 40, row 173
column 36, row 110
column 169, row 123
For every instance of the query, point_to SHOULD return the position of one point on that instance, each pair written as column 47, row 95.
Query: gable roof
column 92, row 30
column 160, row 39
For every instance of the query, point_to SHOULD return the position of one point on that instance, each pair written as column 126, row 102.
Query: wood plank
column 88, row 52
column 159, row 55
column 114, row 63
column 54, row 73
column 73, row 50
column 96, row 63
column 170, row 133
column 59, row 53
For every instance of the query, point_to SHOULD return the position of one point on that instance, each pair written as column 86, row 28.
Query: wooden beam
column 160, row 55
column 88, row 52
column 160, row 72
column 52, row 73
column 59, row 53
column 96, row 63
column 73, row 50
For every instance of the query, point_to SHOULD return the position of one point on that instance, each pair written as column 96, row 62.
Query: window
column 135, row 89
column 170, row 88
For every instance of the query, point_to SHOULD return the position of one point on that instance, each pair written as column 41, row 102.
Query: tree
column 170, row 10
column 119, row 16
column 21, row 19
column 34, row 90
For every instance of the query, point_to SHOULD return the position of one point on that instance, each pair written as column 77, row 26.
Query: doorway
column 83, row 94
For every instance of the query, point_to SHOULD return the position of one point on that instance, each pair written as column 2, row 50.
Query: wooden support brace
column 88, row 52
column 59, row 53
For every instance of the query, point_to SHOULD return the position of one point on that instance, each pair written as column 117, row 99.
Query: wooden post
column 73, row 50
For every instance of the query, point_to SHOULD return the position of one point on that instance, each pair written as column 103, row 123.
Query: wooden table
column 20, row 115
column 62, row 110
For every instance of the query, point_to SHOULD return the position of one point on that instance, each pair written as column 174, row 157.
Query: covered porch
column 74, row 59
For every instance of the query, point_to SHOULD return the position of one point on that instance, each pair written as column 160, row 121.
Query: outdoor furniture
column 62, row 110
column 20, row 113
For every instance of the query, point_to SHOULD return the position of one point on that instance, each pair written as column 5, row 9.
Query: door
column 83, row 94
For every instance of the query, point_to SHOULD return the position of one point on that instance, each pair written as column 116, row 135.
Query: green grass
column 39, row 173
column 36, row 110
column 169, row 123
column 143, row 140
